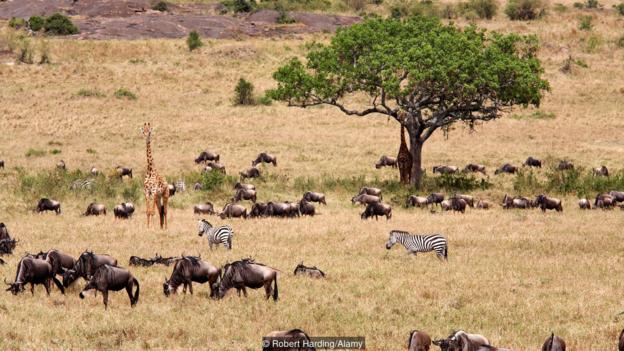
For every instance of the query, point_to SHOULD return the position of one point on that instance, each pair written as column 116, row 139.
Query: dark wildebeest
column 444, row 169
column 306, row 208
column 618, row 196
column 416, row 201
column 2, row 164
column 506, row 168
column 312, row 196
column 233, row 211
column 113, row 278
column 197, row 186
column 49, row 205
column 121, row 171
column 191, row 269
column 207, row 155
column 472, row 342
column 263, row 157
column 124, row 210
column 565, row 165
column 473, row 167
column 604, row 201
column 371, row 191
column 468, row 198
column 7, row 244
column 386, row 161
column 244, row 194
column 61, row 165
column 85, row 267
column 34, row 271
column 240, row 185
column 293, row 335
column 377, row 209
column 310, row 271
column 601, row 171
column 95, row 209
column 458, row 204
column 210, row 166
column 365, row 199
column 166, row 261
column 554, row 343
column 138, row 261
column 59, row 260
column 418, row 341
column 532, row 162
column 259, row 209
column 621, row 341
column 435, row 198
column 247, row 274
column 252, row 172
column 281, row 209
column 517, row 202
column 584, row 204
column 206, row 208
column 548, row 203
column 483, row 204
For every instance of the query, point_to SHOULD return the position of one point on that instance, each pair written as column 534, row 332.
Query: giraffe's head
column 147, row 130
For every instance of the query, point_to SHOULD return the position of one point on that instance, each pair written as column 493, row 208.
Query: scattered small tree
column 122, row 93
column 17, row 23
column 193, row 41
column 238, row 6
column 59, row 24
column 524, row 10
column 243, row 93
column 161, row 6
column 36, row 23
column 485, row 9
column 592, row 4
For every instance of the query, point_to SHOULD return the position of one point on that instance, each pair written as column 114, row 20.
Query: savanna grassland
column 513, row 276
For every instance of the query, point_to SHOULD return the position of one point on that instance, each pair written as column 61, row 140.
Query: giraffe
column 404, row 158
column 155, row 187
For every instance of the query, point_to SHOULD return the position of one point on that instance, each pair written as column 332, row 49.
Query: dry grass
column 513, row 276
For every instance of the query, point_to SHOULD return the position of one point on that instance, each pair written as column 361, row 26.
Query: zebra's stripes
column 216, row 235
column 180, row 185
column 419, row 243
column 82, row 184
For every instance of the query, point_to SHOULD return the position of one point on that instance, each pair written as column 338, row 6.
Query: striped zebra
column 80, row 184
column 180, row 185
column 216, row 235
column 419, row 243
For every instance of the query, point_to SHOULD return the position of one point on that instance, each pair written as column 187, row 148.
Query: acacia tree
column 424, row 74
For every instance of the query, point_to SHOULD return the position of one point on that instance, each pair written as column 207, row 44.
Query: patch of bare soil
column 134, row 19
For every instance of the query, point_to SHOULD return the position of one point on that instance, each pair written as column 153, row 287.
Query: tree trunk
column 416, row 150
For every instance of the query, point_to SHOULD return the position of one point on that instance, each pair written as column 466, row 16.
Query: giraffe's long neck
column 150, row 159
column 403, row 136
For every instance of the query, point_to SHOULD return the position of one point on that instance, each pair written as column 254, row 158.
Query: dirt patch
column 134, row 19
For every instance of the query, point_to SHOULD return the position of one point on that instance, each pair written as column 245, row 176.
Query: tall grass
column 579, row 181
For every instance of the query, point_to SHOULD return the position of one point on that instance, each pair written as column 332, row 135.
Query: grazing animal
column 419, row 243
column 435, row 198
column 95, row 209
column 248, row 274
column 172, row 190
column 259, row 209
column 110, row 278
column 293, row 335
column 252, row 172
column 604, row 201
column 85, row 267
column 478, row 341
column 517, row 202
column 469, row 199
column 484, row 204
column 197, row 187
column 601, row 171
column 263, row 157
column 49, row 205
column 404, row 157
column 216, row 235
column 365, row 199
column 138, row 261
column 445, row 205
column 310, row 271
column 306, row 208
column 377, row 209
column 123, row 171
column 207, row 155
column 187, row 270
column 124, row 210
column 386, row 161
column 282, row 209
column 554, row 343
column 312, row 196
column 155, row 187
column 206, row 208
column 180, row 186
column 371, row 191
column 215, row 166
column 7, row 244
column 458, row 204
column 444, row 169
column 548, row 203
column 240, row 185
column 506, row 168
column 473, row 167
column 416, row 201
column 618, row 196
column 34, row 271
column 565, row 165
column 61, row 165
column 461, row 342
column 584, row 204
column 233, row 211
column 418, row 341
column 244, row 194
column 167, row 261
column 59, row 260
column 81, row 184
column 532, row 162
column 94, row 171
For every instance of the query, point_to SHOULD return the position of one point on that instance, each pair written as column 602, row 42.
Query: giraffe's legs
column 165, row 201
column 150, row 203
column 155, row 205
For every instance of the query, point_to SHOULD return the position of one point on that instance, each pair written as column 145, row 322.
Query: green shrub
column 524, row 10
column 35, row 153
column 55, row 151
column 579, row 5
column 193, row 41
column 90, row 93
column 285, row 18
column 91, row 151
column 585, row 23
column 36, row 23
column 593, row 44
column 265, row 100
column 619, row 8
column 239, row 6
column 17, row 23
column 243, row 93
column 59, row 24
column 161, row 6
column 125, row 93
column 592, row 4
column 484, row 9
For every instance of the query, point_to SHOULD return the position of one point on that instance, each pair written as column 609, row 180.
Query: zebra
column 216, row 235
column 180, row 185
column 80, row 184
column 419, row 243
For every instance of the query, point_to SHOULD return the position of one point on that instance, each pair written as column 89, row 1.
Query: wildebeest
column 138, row 261
column 444, row 169
column 124, row 210
column 506, row 168
column 565, row 165
column 483, row 204
column 306, row 208
column 554, row 343
column 85, row 266
column 548, row 203
column 365, row 199
column 282, row 209
column 197, row 187
column 59, row 260
column 604, row 201
column 240, row 185
column 532, row 162
column 517, row 202
column 469, row 342
column 584, row 204
column 206, row 208
column 172, row 189
column 473, row 167
column 33, row 271
column 416, row 201
column 435, row 198
column 312, row 196
column 601, row 171
column 293, row 335
column 252, row 172
column 233, row 211
column 121, row 171
column 386, row 161
column 371, row 191
column 247, row 273
column 377, row 209
column 445, row 205
column 215, row 166
column 244, row 194
column 263, row 157
column 61, row 165
column 468, row 198
column 110, row 278
column 95, row 209
column 187, row 270
column 49, row 205
column 259, row 209
column 618, row 196
column 7, row 244
column 458, row 204
column 207, row 155
column 310, row 271
column 418, row 341
column 94, row 171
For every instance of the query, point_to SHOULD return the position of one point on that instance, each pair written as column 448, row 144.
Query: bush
column 586, row 23
column 285, row 18
column 55, row 151
column 161, row 6
column 243, row 93
column 25, row 51
column 193, row 41
column 579, row 5
column 36, row 23
column 484, row 9
column 594, row 42
column 619, row 8
column 90, row 93
column 524, row 10
column 59, row 24
column 265, row 100
column 17, row 23
column 125, row 93
column 239, row 6
column 592, row 4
